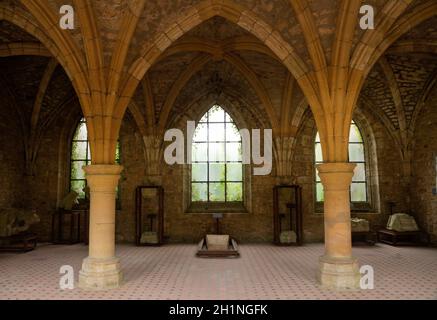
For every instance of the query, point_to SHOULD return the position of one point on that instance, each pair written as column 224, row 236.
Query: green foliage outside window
column 217, row 169
column 358, row 189
column 80, row 157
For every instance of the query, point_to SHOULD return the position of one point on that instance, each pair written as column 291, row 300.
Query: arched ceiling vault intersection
column 331, row 76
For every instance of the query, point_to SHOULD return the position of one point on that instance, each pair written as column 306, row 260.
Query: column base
column 339, row 273
column 100, row 274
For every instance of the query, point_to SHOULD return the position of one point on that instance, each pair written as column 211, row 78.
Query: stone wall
column 388, row 185
column 424, row 202
column 13, row 182
column 256, row 226
column 132, row 159
column 50, row 183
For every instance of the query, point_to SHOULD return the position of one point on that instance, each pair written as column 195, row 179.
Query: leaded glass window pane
column 81, row 156
column 356, row 152
column 319, row 155
column 358, row 189
column 355, row 135
column 358, row 192
column 216, row 152
column 201, row 133
column 217, row 172
column 234, row 191
column 320, row 195
column 199, row 191
column 234, row 172
column 217, row 192
column 217, row 169
column 200, row 152
column 199, row 172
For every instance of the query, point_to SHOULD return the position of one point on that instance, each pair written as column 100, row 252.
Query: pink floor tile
column 262, row 272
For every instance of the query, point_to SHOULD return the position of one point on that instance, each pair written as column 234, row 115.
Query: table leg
column 53, row 227
column 78, row 227
column 60, row 227
column 71, row 228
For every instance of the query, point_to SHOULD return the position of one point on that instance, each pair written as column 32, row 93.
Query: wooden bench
column 405, row 238
column 23, row 242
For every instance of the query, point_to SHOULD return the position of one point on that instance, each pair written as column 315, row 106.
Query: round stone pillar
column 101, row 269
column 337, row 268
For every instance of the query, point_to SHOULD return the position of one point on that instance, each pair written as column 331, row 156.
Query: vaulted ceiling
column 218, row 52
column 399, row 84
column 215, row 53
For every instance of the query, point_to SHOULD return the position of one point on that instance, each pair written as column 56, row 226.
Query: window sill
column 219, row 207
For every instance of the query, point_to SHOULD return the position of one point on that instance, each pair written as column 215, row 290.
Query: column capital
column 336, row 167
column 103, row 169
column 336, row 175
column 102, row 177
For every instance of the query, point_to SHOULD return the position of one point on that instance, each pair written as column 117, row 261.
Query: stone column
column 337, row 268
column 101, row 269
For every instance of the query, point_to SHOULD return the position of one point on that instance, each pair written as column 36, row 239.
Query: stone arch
column 367, row 105
column 23, row 49
column 422, row 46
column 374, row 44
column 418, row 15
column 244, row 118
column 242, row 68
column 206, row 99
column 231, row 11
column 138, row 117
column 363, row 119
column 427, row 90
column 18, row 18
column 366, row 128
column 218, row 48
column 71, row 63
column 299, row 113
column 73, row 115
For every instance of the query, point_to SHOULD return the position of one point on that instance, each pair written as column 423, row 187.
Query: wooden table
column 367, row 237
column 405, row 238
column 23, row 242
column 74, row 232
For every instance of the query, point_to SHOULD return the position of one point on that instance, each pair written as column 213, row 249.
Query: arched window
column 358, row 189
column 81, row 156
column 217, row 168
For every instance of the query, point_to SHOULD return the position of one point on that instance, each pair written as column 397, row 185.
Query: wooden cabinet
column 149, row 215
column 287, row 215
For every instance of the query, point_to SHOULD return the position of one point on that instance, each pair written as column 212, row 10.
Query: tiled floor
column 262, row 272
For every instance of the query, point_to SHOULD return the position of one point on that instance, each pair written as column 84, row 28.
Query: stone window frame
column 86, row 160
column 372, row 205
column 76, row 123
column 245, row 207
column 226, row 123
